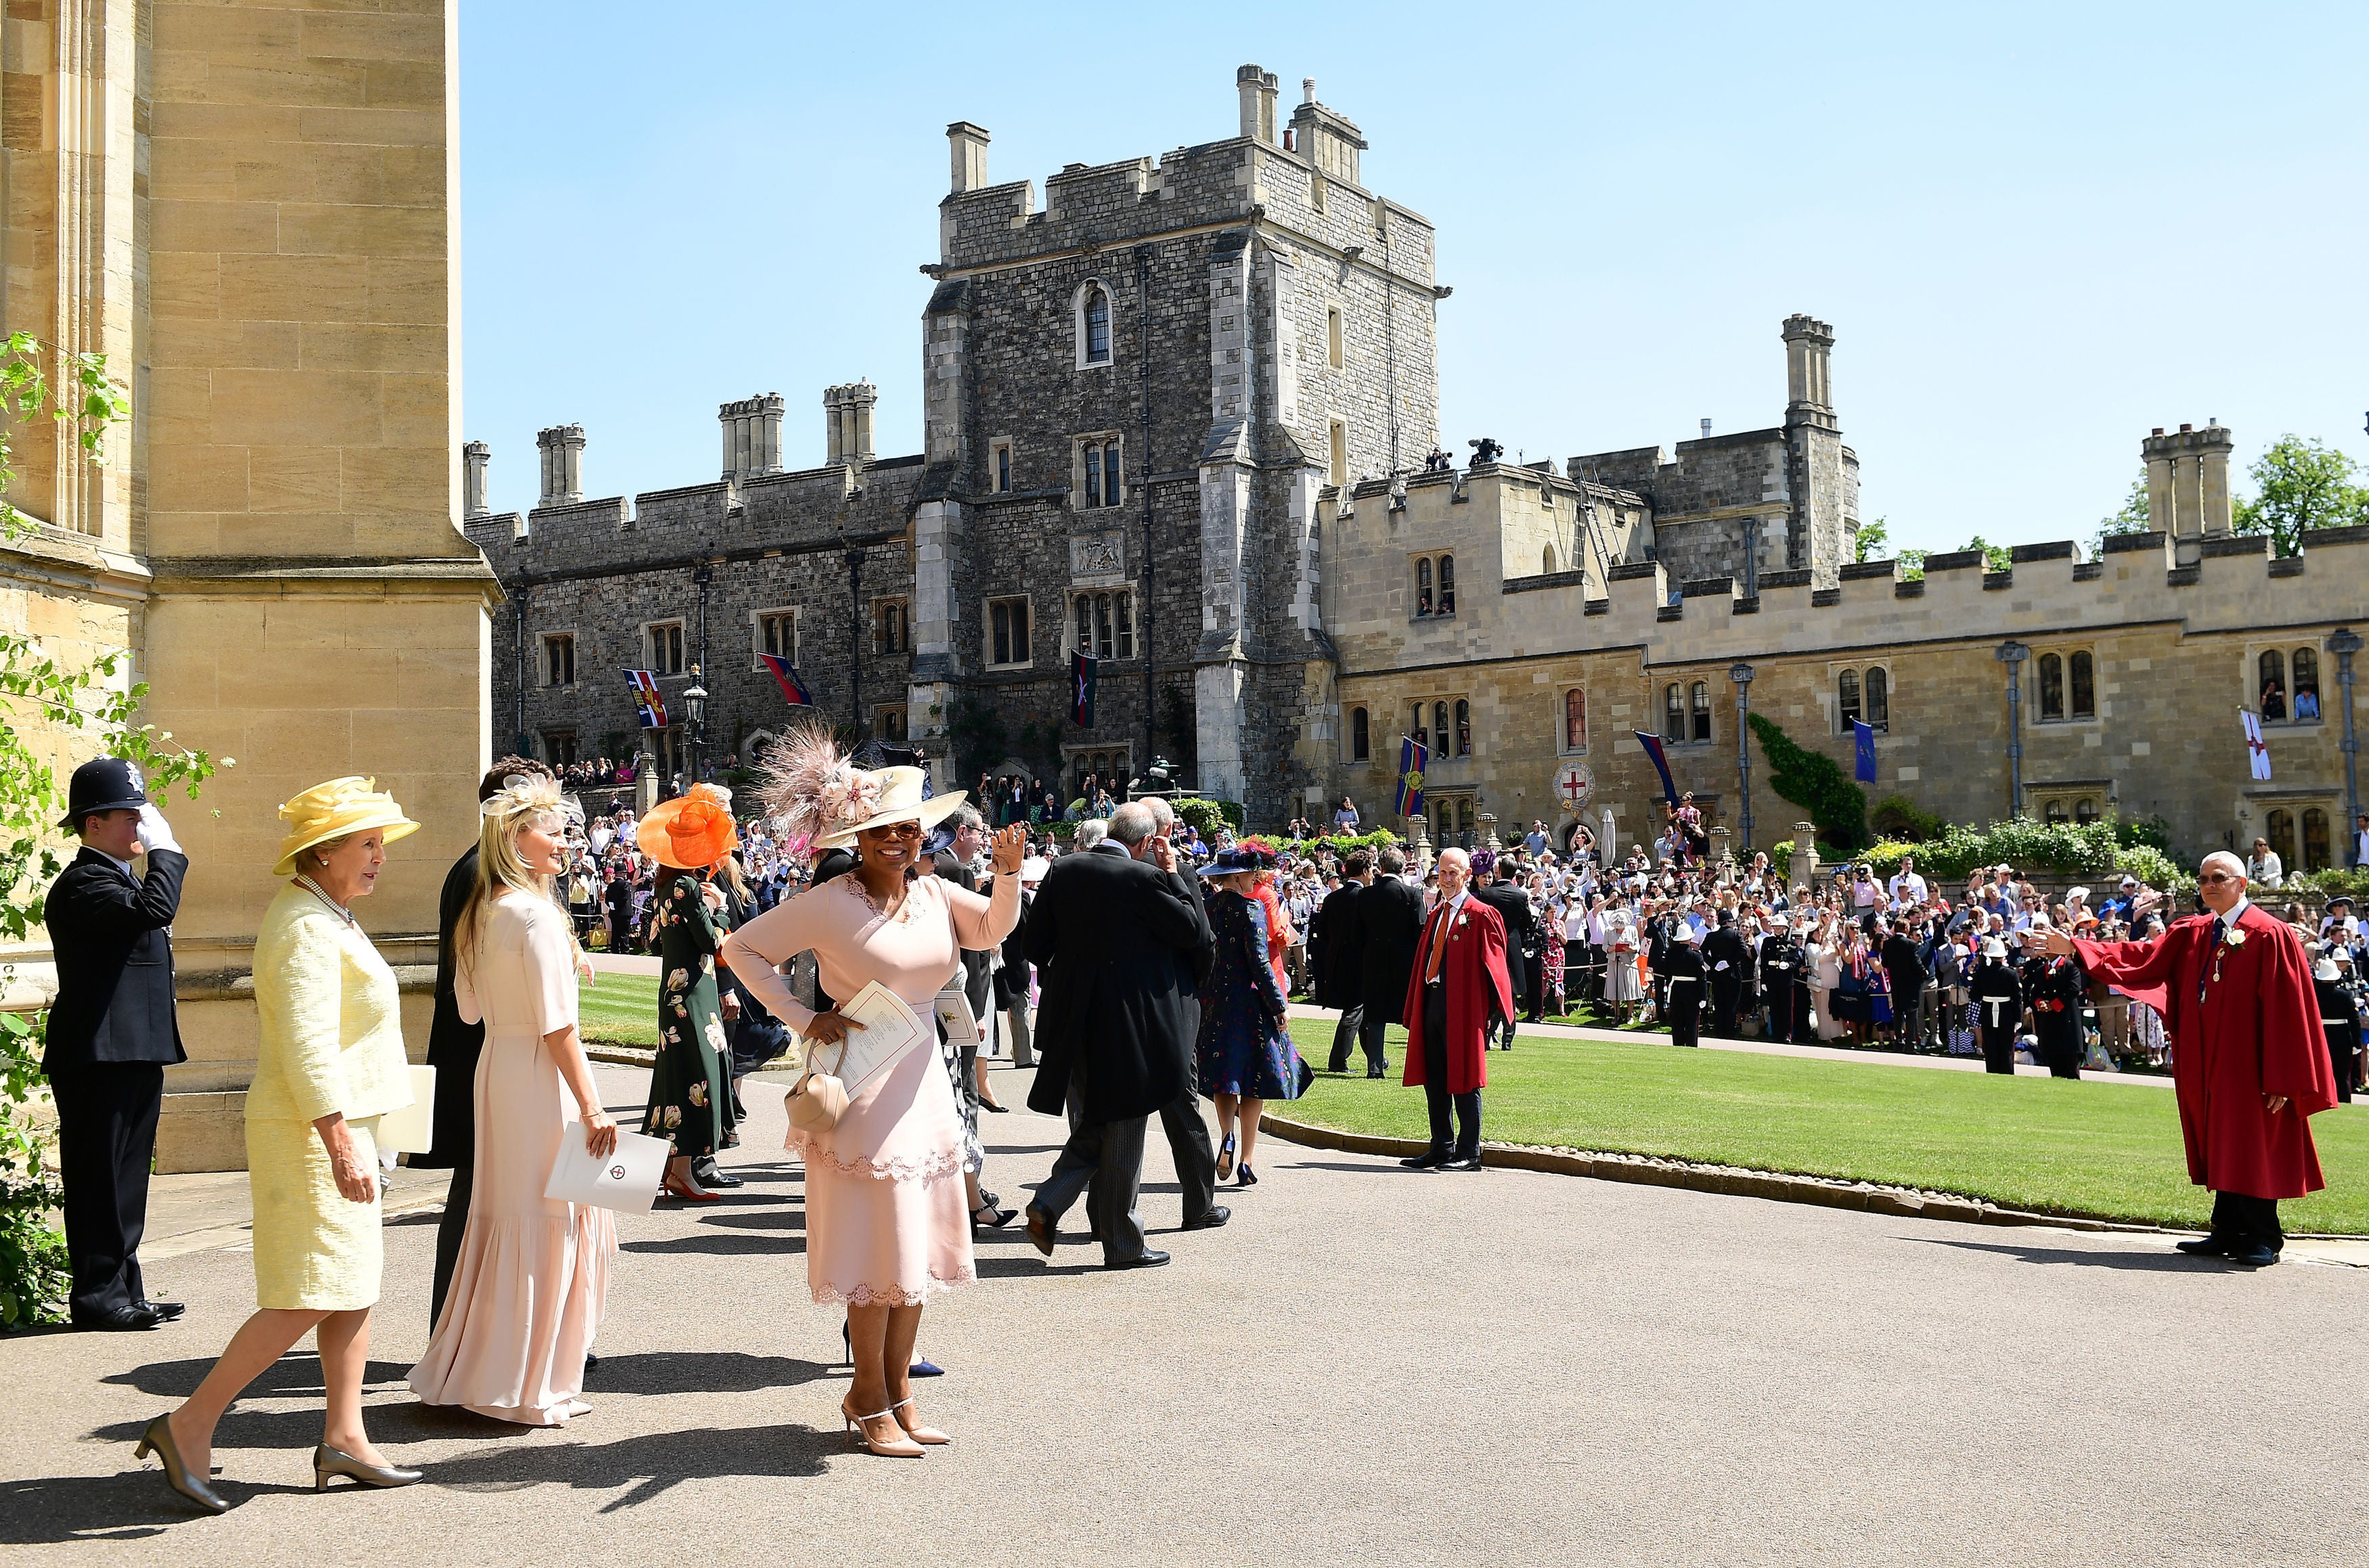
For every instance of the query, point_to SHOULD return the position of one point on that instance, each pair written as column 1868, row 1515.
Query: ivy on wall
column 1815, row 783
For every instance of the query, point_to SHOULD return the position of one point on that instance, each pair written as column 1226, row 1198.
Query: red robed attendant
column 1456, row 988
column 2248, row 1058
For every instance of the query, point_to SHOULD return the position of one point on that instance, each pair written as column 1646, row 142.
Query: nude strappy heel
column 857, row 1432
column 926, row 1435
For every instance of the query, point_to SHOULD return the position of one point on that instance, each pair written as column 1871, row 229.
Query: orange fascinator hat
column 691, row 833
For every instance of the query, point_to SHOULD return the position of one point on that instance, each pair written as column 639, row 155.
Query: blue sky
column 2038, row 231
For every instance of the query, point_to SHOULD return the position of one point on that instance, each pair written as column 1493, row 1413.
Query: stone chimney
column 753, row 435
column 474, row 458
column 847, row 422
column 1809, row 388
column 2188, row 481
column 1255, row 89
column 562, row 449
column 969, row 145
column 1329, row 140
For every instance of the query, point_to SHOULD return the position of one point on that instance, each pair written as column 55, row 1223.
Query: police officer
column 112, row 1032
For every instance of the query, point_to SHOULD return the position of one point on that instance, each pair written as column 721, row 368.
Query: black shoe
column 2205, row 1247
column 1245, row 1176
column 591, row 1362
column 1219, row 1214
column 990, row 1199
column 2253, row 1254
column 165, row 1310
column 1041, row 1231
column 119, row 1319
column 1429, row 1159
column 1336, row 1066
column 1463, row 1162
column 1148, row 1259
column 708, row 1174
column 989, row 1217
column 1376, row 1073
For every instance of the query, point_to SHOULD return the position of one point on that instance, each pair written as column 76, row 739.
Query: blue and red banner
column 785, row 675
column 647, row 698
column 1862, row 752
column 1413, row 754
column 1653, row 747
column 1082, row 689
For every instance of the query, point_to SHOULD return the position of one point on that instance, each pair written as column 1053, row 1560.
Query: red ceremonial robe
column 2257, row 1032
column 1474, row 967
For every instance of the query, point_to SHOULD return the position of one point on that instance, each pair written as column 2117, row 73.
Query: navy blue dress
column 1244, row 1049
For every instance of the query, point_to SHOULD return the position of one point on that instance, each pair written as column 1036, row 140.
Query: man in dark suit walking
column 1340, row 977
column 1390, row 922
column 1122, row 941
column 112, row 1032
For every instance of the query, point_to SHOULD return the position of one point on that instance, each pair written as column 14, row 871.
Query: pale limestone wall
column 293, row 479
column 2175, row 661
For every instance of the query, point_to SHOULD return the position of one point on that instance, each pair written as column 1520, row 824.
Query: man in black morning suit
column 112, row 1032
column 1121, row 943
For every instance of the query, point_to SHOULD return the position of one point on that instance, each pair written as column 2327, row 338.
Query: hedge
column 1343, row 843
column 1203, row 815
column 2088, row 850
column 1811, row 781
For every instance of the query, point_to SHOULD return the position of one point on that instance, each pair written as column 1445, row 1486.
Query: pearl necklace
column 314, row 887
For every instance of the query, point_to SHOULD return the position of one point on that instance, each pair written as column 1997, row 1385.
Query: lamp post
column 1741, row 675
column 2012, row 654
column 695, row 707
column 2344, row 642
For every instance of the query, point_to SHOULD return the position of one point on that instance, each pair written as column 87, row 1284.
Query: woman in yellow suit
column 329, row 1063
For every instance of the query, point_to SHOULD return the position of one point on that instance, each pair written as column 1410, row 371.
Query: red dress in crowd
column 1278, row 931
column 2256, row 1032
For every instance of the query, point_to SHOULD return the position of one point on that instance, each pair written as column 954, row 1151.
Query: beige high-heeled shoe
column 858, row 1431
column 158, row 1440
column 328, row 1461
column 929, row 1435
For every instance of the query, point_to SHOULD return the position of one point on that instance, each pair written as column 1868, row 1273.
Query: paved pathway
column 1368, row 1365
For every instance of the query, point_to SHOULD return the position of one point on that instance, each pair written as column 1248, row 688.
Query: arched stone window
column 1699, row 699
column 1463, row 727
column 1439, row 730
column 2314, row 826
column 2052, row 686
column 1674, row 711
column 1575, row 720
column 1547, row 561
column 1879, row 697
column 2279, row 828
column 1422, row 605
column 2083, row 670
column 1094, row 325
column 2270, row 679
column 2305, row 705
column 1846, row 704
column 2085, row 810
column 1361, row 736
column 1448, row 585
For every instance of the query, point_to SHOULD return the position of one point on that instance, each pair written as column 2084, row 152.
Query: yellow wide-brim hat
column 332, row 810
column 692, row 832
column 885, row 795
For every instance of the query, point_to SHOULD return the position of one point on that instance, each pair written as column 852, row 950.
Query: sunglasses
column 2216, row 879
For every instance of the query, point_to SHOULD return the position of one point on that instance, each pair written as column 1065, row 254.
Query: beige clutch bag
column 818, row 1099
column 412, row 1130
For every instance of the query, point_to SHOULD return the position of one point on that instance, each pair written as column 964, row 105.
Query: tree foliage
column 1873, row 536
column 1812, row 781
column 2300, row 485
column 2132, row 518
column 43, row 696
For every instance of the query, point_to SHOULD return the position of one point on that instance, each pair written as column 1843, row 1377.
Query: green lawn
column 621, row 1009
column 2101, row 1149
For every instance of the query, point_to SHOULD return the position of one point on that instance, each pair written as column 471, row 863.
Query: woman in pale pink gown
column 887, row 1226
column 532, row 1275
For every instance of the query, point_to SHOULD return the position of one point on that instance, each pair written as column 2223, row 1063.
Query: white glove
column 155, row 834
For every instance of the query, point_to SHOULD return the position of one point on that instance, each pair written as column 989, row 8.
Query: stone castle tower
column 1134, row 394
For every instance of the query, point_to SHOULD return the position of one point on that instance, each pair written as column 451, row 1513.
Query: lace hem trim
column 891, row 1295
column 930, row 1168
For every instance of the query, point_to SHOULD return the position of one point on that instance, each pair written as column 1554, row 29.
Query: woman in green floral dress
column 691, row 1085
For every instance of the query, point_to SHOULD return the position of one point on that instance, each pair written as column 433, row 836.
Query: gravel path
column 1366, row 1366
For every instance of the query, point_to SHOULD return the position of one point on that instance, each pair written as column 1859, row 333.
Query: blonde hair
column 533, row 802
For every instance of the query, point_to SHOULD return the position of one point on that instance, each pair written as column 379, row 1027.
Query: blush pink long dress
column 887, row 1219
column 533, row 1275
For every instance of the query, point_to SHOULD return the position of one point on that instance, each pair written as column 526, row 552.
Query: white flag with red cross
column 2258, row 756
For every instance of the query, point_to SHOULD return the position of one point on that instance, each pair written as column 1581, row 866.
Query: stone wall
column 2174, row 653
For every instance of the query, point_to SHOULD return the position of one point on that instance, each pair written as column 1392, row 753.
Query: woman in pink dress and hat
column 886, row 1221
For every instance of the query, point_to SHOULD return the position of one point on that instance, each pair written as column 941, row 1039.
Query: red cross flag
column 2258, row 756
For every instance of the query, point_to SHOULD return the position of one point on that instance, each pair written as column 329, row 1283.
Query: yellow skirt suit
column 332, row 1041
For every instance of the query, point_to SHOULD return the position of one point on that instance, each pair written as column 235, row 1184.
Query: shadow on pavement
column 649, row 1464
column 772, row 1219
column 698, row 1371
column 296, row 1375
column 2156, row 1262
column 719, row 1243
column 132, row 1505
